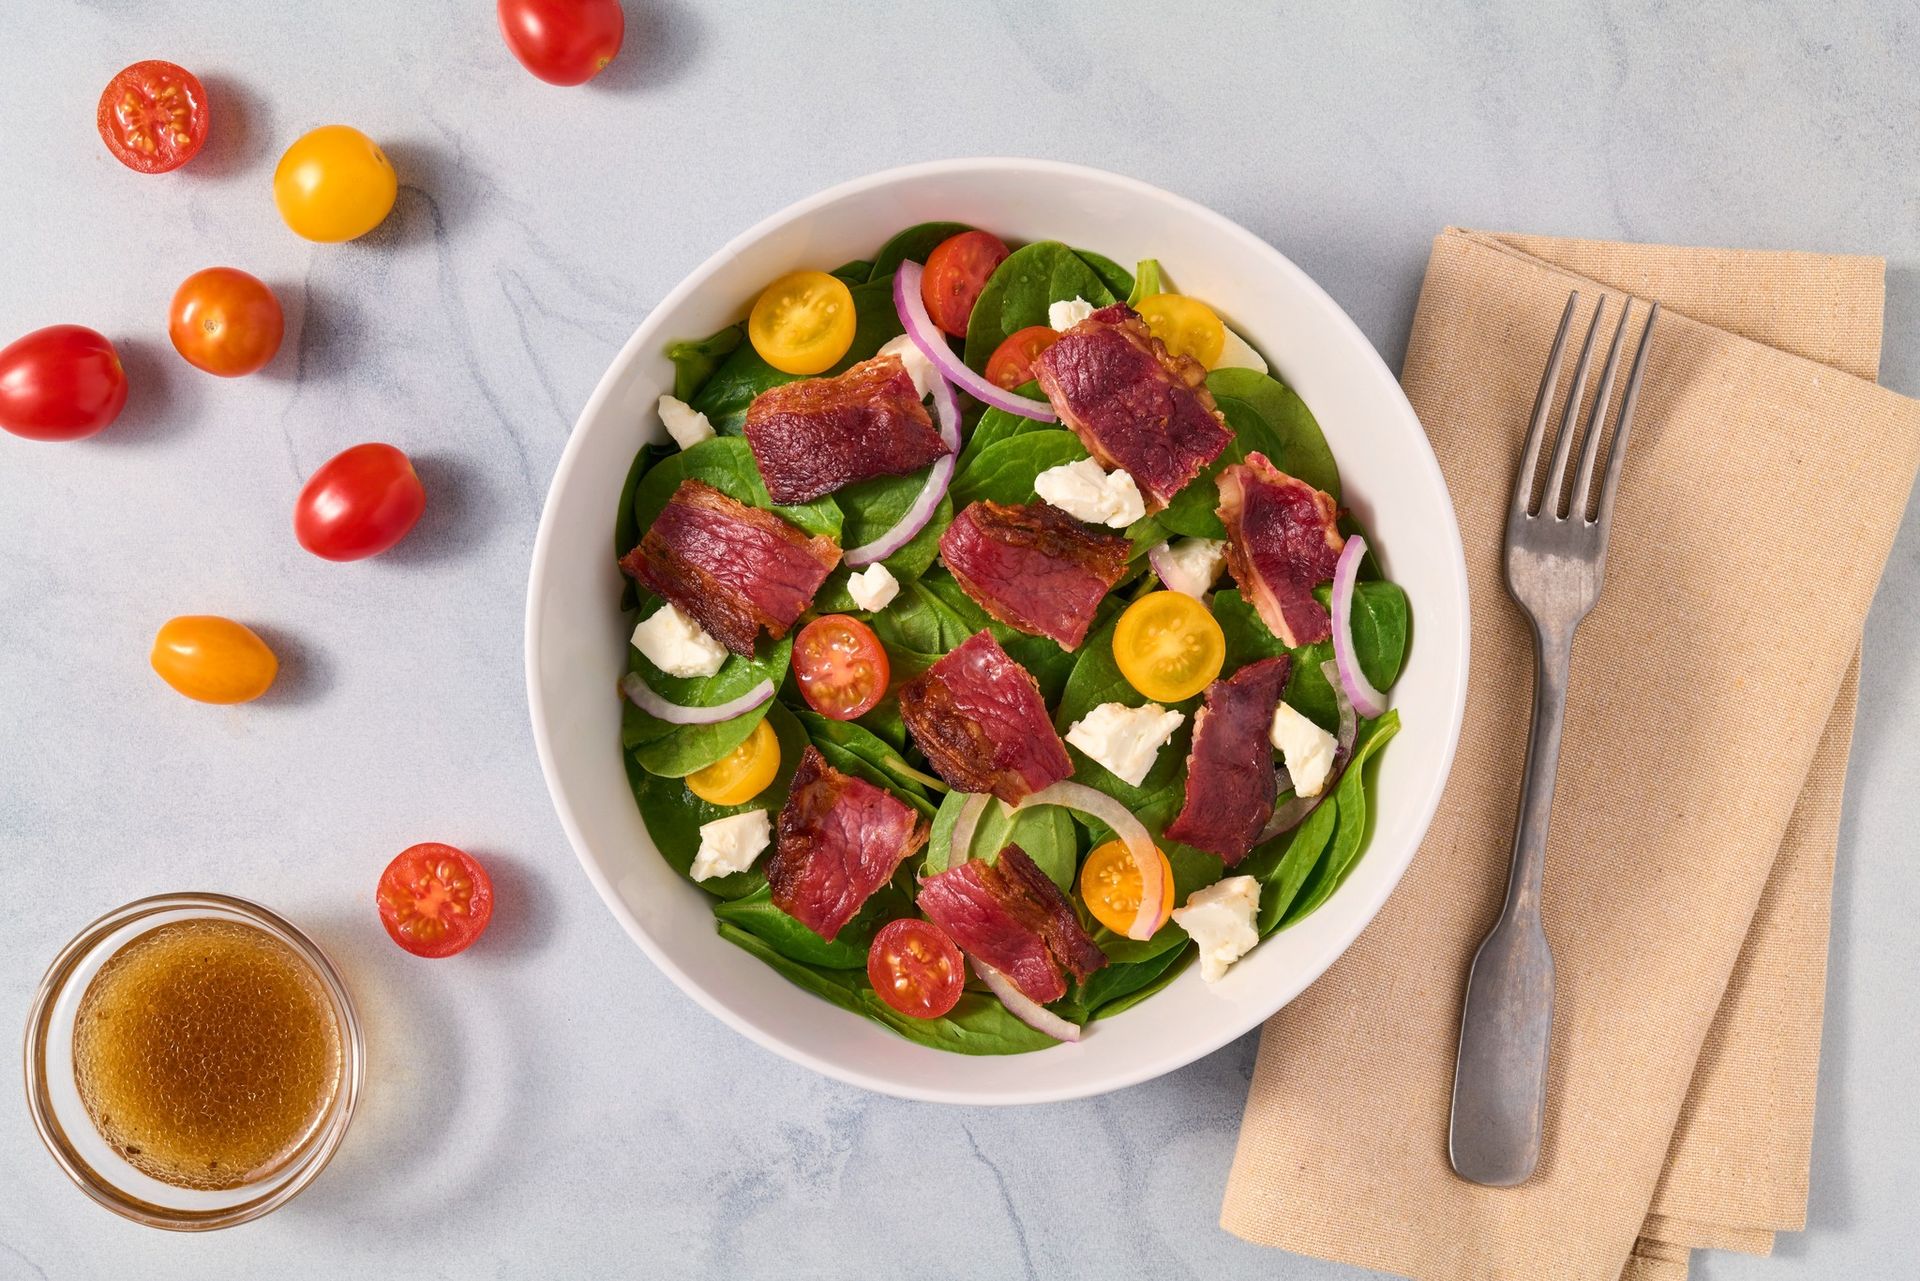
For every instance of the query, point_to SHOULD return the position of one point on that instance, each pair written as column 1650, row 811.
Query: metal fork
column 1556, row 559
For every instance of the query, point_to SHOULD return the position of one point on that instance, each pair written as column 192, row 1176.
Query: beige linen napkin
column 1689, row 869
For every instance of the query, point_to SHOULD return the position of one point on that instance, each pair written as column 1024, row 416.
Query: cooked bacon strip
column 1133, row 405
column 731, row 568
column 813, row 436
column 1231, row 781
column 1283, row 537
column 980, row 720
column 1033, row 567
column 840, row 839
column 1007, row 914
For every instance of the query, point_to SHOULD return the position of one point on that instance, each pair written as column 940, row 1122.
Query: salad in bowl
column 1001, row 642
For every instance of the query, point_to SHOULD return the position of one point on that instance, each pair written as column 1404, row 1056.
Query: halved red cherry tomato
column 915, row 968
column 225, row 322
column 153, row 116
column 60, row 383
column 957, row 271
column 841, row 666
column 1011, row 364
column 435, row 900
column 564, row 42
column 359, row 503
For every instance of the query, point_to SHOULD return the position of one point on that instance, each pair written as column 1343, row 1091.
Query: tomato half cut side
column 915, row 968
column 957, row 271
column 435, row 900
column 153, row 116
column 841, row 666
column 1011, row 365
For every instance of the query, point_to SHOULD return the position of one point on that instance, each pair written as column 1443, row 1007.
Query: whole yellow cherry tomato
column 334, row 184
column 741, row 774
column 1168, row 646
column 212, row 659
column 1186, row 325
column 803, row 322
column 1110, row 883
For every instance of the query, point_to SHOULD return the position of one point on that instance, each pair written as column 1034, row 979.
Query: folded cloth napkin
column 1690, row 864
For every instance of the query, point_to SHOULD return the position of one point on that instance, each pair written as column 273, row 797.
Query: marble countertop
column 550, row 1105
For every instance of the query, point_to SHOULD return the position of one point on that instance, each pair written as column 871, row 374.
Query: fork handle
column 1500, row 1076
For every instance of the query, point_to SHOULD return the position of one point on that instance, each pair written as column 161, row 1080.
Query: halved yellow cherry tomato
column 1168, row 646
column 741, row 774
column 212, row 659
column 1186, row 325
column 803, row 322
column 1110, row 883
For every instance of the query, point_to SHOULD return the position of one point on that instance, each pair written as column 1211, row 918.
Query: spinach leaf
column 1266, row 416
column 1380, row 620
column 695, row 359
column 1350, row 799
column 756, row 914
column 1045, row 832
column 1022, row 288
column 1004, row 472
column 868, row 510
column 743, row 374
column 1117, row 279
column 913, row 245
column 1282, row 865
column 857, row 272
column 1147, row 281
column 996, row 425
column 1112, row 983
column 935, row 615
column 626, row 526
column 864, row 754
column 674, row 815
column 1181, row 958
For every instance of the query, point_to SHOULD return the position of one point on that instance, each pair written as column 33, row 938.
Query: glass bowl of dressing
column 192, row 1061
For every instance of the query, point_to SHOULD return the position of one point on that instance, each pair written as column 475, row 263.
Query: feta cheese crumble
column 873, row 587
column 730, row 844
column 677, row 645
column 1306, row 748
column 687, row 425
column 1200, row 558
column 1220, row 919
column 1125, row 739
column 919, row 368
column 1082, row 490
column 1062, row 316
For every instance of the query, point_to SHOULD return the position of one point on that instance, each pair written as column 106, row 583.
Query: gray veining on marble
column 549, row 1105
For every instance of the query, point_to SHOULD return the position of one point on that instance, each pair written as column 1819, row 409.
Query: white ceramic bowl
column 576, row 637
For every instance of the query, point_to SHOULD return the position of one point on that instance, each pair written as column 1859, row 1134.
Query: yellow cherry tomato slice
column 803, row 322
column 1110, row 883
column 334, row 184
column 212, row 659
column 741, row 774
column 1186, row 325
column 1168, row 646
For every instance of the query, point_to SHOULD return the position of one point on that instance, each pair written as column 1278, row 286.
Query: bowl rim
column 1337, row 944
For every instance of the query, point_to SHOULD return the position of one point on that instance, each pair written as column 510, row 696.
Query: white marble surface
column 549, row 1105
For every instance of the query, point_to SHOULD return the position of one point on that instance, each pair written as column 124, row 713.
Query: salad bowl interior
column 576, row 634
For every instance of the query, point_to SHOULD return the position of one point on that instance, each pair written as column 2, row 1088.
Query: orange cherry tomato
column 435, row 900
column 841, row 666
column 1011, row 364
column 957, row 271
column 225, row 322
column 361, row 502
column 63, row 382
column 915, row 968
column 153, row 116
column 1110, row 883
column 212, row 659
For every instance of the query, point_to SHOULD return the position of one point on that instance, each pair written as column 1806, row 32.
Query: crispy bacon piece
column 1033, row 567
column 980, row 720
column 1007, row 914
column 731, row 568
column 840, row 839
column 1283, row 538
column 1231, row 782
column 813, row 436
column 1133, row 405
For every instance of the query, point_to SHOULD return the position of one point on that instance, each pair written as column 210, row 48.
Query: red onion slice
column 1367, row 700
column 1172, row 576
column 1154, row 888
column 637, row 689
column 1294, row 812
column 933, row 344
column 964, row 827
column 1025, row 1008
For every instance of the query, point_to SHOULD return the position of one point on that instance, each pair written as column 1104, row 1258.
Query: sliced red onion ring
column 1154, row 889
column 1367, row 700
column 1171, row 574
column 1025, row 1008
column 928, row 338
column 655, row 706
column 1294, row 812
column 946, row 408
column 964, row 827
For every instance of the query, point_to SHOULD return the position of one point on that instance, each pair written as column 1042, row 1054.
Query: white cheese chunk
column 1220, row 919
column 677, row 645
column 1201, row 559
column 1125, row 739
column 919, row 368
column 1236, row 354
column 873, row 587
column 1063, row 316
column 1082, row 490
column 1306, row 748
column 687, row 425
column 730, row 844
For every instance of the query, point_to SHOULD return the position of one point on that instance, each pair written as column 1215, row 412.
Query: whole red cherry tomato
column 359, row 503
column 60, row 383
column 153, row 116
column 225, row 322
column 564, row 42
